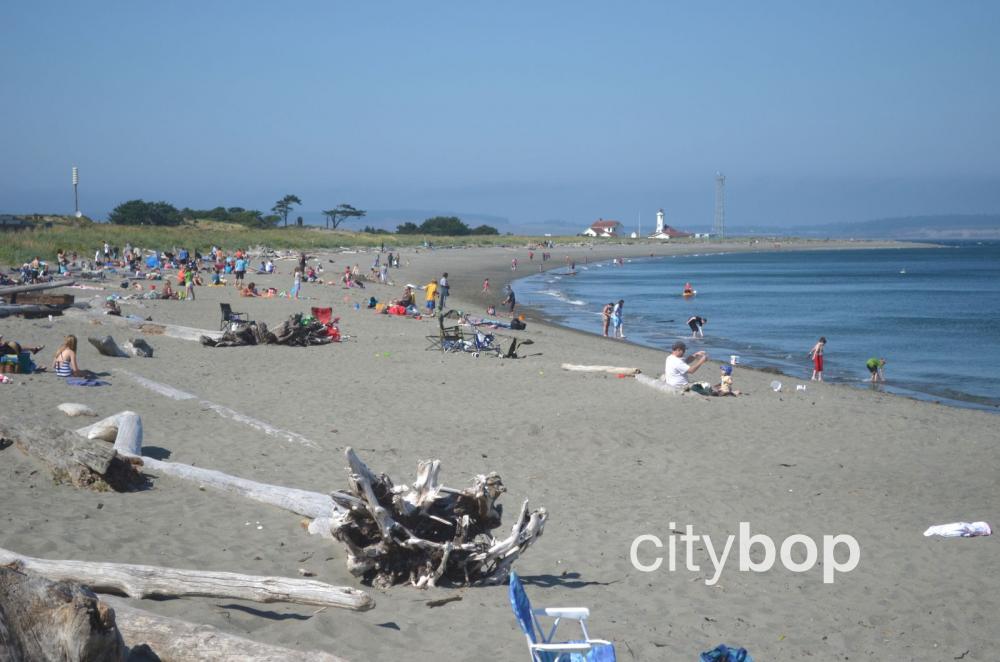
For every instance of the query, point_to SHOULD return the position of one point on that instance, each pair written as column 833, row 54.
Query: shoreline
column 959, row 400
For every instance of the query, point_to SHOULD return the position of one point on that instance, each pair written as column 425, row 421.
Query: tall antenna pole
column 76, row 195
column 720, row 206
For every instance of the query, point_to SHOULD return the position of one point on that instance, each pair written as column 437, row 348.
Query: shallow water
column 934, row 314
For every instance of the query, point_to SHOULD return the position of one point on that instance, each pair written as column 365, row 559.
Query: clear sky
column 816, row 112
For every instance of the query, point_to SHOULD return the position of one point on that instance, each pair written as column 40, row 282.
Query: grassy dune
column 85, row 237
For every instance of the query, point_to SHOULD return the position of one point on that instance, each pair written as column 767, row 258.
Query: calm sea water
column 934, row 314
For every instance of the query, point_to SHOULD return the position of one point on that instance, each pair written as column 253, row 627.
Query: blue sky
column 533, row 111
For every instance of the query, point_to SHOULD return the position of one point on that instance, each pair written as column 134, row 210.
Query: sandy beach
column 609, row 458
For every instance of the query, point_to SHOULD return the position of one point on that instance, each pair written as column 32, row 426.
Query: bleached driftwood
column 600, row 368
column 107, row 346
column 174, row 640
column 143, row 581
column 123, row 428
column 428, row 533
column 658, row 384
column 81, row 462
column 419, row 534
column 138, row 347
column 37, row 287
column 44, row 620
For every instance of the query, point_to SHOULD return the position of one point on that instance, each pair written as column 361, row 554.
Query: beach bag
column 517, row 325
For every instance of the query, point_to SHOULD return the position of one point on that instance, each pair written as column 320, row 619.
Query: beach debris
column 76, row 409
column 800, row 387
column 293, row 332
column 138, row 347
column 45, row 620
column 600, row 368
column 88, row 463
column 144, row 581
column 107, row 346
column 425, row 533
column 776, row 386
column 960, row 530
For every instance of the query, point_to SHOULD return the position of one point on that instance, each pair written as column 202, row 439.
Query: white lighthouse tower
column 659, row 222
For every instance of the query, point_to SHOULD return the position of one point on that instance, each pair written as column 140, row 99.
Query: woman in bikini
column 64, row 362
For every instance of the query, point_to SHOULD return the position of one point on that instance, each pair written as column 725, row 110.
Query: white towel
column 960, row 530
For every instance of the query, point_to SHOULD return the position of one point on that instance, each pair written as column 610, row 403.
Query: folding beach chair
column 540, row 645
column 325, row 317
column 228, row 316
column 449, row 338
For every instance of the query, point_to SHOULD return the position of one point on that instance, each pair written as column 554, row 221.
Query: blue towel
column 83, row 381
column 723, row 653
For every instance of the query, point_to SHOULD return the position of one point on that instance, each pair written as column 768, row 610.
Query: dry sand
column 609, row 458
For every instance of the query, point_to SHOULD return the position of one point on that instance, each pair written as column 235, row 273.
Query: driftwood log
column 45, row 620
column 173, row 640
column 427, row 534
column 80, row 462
column 600, row 368
column 143, row 581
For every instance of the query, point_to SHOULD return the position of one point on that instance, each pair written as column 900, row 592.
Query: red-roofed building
column 602, row 228
column 664, row 231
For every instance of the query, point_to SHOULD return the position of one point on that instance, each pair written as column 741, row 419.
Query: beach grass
column 85, row 237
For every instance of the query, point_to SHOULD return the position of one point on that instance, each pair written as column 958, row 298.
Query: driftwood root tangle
column 427, row 534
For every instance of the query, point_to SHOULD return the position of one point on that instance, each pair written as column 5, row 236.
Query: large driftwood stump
column 173, row 640
column 45, row 620
column 427, row 534
column 80, row 462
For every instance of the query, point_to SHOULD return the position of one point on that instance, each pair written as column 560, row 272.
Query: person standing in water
column 606, row 316
column 876, row 367
column 816, row 354
column 617, row 321
column 695, row 323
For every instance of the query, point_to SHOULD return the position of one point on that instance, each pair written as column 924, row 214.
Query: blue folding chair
column 541, row 645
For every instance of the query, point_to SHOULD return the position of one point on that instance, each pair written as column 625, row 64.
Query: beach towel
column 83, row 381
column 723, row 653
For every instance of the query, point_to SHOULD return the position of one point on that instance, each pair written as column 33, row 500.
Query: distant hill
column 942, row 226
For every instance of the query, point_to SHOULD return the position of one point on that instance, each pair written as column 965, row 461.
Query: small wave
column 562, row 297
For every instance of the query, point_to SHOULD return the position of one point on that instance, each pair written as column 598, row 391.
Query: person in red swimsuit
column 816, row 353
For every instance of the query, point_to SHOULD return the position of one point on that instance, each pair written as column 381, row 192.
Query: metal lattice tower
column 719, row 228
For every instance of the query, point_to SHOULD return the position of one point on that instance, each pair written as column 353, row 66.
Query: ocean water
column 933, row 314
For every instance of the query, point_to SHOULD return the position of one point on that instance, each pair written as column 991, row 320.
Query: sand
column 609, row 458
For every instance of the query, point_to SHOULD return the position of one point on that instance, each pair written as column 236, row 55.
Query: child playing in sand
column 725, row 385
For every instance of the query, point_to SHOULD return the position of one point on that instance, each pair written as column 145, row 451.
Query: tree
column 444, row 225
column 140, row 212
column 373, row 230
column 284, row 206
column 484, row 229
column 341, row 213
column 407, row 228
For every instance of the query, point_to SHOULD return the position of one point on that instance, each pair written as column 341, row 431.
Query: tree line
column 141, row 212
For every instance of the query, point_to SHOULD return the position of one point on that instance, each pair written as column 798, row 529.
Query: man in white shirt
column 678, row 368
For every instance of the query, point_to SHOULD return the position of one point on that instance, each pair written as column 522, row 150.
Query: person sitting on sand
column 678, row 368
column 168, row 291
column 11, row 347
column 406, row 300
column 250, row 291
column 64, row 362
column 876, row 368
column 725, row 385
